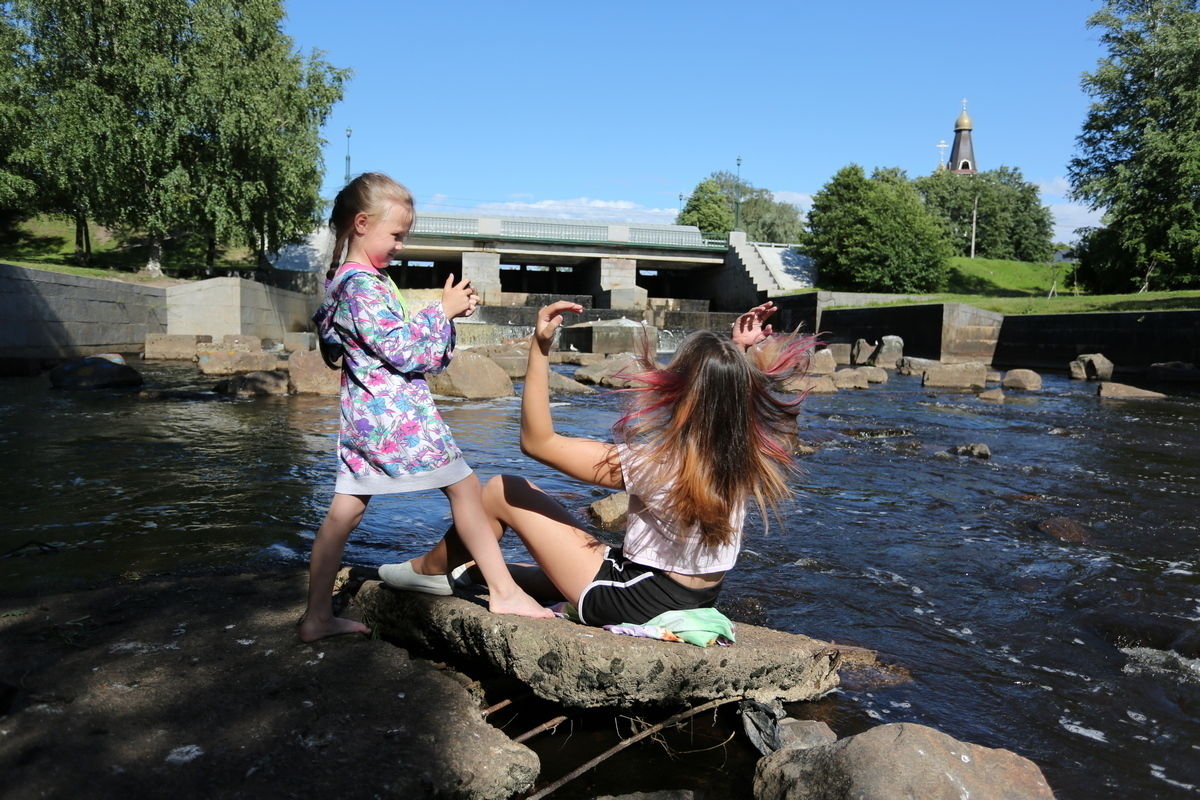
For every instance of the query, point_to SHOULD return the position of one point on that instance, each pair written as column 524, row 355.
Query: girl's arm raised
column 585, row 459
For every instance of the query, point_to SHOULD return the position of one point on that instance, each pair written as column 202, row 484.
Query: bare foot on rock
column 311, row 630
column 519, row 604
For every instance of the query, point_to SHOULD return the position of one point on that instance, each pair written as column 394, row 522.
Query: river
column 1055, row 650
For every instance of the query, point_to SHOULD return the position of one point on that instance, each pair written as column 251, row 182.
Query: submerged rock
column 1121, row 391
column 974, row 450
column 587, row 667
column 1064, row 529
column 105, row 371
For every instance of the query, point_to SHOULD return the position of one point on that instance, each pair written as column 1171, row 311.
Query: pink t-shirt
column 655, row 540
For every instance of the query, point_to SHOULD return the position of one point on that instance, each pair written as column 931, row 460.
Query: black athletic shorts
column 625, row 592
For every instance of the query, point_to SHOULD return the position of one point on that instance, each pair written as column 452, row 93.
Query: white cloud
column 1055, row 187
column 801, row 200
column 585, row 208
column 1069, row 216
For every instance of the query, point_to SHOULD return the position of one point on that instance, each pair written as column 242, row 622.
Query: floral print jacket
column 389, row 424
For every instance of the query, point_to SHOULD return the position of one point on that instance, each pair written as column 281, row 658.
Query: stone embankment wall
column 53, row 315
column 1130, row 339
column 50, row 315
column 948, row 332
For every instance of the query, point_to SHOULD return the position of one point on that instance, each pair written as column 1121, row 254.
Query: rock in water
column 473, row 376
column 104, row 371
column 1064, row 529
column 898, row 762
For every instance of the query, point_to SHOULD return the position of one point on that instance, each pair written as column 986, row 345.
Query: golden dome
column 963, row 123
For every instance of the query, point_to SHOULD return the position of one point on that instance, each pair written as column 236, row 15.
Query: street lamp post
column 737, row 197
column 348, row 132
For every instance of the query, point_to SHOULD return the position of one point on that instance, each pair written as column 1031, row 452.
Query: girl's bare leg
column 480, row 534
column 567, row 556
column 345, row 512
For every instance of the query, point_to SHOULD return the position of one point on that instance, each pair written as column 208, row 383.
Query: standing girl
column 392, row 438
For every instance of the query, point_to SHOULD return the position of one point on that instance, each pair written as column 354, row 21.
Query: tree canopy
column 173, row 116
column 875, row 234
column 1009, row 219
column 752, row 209
column 1139, row 151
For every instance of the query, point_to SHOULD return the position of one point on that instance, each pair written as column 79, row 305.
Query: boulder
column 874, row 374
column 804, row 733
column 242, row 342
column 992, row 396
column 1077, row 370
column 969, row 375
column 173, row 346
column 1023, row 379
column 841, row 353
column 1121, row 391
column 974, row 450
column 910, row 365
column 561, row 384
column 585, row 667
column 512, row 358
column 231, row 362
column 104, row 371
column 610, row 512
column 576, row 358
column 299, row 341
column 861, row 352
column 613, row 365
column 256, row 384
column 900, row 760
column 889, row 352
column 850, row 379
column 811, row 384
column 822, row 363
column 1096, row 367
column 308, row 374
column 471, row 375
column 994, row 376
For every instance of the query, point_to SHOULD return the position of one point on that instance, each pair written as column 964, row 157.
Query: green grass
column 48, row 242
column 1018, row 287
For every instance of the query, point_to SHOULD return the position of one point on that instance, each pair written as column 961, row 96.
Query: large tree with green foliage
column 999, row 208
column 167, row 117
column 1139, row 150
column 707, row 209
column 750, row 209
column 875, row 234
column 14, row 111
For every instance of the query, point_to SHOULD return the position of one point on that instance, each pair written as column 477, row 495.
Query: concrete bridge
column 621, row 265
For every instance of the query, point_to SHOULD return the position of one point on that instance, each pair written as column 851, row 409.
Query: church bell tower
column 962, row 154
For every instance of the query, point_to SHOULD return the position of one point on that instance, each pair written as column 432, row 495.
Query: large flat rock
column 586, row 667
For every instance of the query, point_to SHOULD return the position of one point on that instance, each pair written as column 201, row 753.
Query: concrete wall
column 1132, row 340
column 221, row 306
column 949, row 332
column 52, row 315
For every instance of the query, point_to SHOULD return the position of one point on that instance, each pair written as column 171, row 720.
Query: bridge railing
column 561, row 230
column 460, row 226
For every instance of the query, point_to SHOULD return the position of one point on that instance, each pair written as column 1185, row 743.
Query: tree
column 14, row 188
column 875, row 234
column 708, row 210
column 753, row 210
column 1140, row 146
column 999, row 208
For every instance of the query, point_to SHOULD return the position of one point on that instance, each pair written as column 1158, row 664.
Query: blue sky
column 612, row 110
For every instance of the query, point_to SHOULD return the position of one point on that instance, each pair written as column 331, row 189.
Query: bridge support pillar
column 615, row 285
column 483, row 270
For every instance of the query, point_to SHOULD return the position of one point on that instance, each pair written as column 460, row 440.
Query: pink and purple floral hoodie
column 392, row 438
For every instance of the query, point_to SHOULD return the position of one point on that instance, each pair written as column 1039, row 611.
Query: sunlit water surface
column 1014, row 639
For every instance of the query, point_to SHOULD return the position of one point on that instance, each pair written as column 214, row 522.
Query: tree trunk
column 210, row 257
column 154, row 260
column 82, row 245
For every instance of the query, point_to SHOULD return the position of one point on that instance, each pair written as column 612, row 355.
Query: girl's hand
column 549, row 318
column 458, row 300
column 748, row 329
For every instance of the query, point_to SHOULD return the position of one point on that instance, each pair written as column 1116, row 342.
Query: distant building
column 962, row 154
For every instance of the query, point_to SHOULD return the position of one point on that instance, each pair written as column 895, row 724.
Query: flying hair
column 717, row 425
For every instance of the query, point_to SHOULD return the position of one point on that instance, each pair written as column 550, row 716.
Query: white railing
column 457, row 226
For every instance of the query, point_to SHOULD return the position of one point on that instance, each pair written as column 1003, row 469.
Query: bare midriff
column 705, row 581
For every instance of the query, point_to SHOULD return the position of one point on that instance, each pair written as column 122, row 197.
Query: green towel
column 698, row 626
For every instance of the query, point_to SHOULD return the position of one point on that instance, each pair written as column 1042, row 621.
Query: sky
column 612, row 110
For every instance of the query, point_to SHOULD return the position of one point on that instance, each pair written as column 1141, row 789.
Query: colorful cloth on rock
column 392, row 438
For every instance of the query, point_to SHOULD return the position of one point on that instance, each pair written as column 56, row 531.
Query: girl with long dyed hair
column 704, row 435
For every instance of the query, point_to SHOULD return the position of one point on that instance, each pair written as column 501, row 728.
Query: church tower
column 962, row 154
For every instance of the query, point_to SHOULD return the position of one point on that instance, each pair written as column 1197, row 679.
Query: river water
column 1058, row 651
